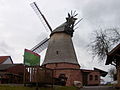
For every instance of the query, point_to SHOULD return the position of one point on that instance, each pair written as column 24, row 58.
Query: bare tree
column 103, row 41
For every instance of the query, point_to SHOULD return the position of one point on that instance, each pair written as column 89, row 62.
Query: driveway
column 98, row 88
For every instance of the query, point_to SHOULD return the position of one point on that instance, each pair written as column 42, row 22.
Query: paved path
column 98, row 88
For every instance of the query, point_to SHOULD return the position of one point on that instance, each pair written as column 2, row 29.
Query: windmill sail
column 41, row 16
column 40, row 46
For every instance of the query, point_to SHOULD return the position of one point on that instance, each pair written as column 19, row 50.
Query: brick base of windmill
column 72, row 72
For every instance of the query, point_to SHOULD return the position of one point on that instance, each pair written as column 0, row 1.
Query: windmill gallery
column 60, row 65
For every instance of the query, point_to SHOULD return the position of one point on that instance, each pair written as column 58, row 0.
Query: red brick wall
column 72, row 72
column 17, row 69
column 62, row 65
column 72, row 75
column 93, row 81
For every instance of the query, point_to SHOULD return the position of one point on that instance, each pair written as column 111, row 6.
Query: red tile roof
column 3, row 59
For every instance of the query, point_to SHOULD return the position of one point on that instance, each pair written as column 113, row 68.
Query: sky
column 21, row 28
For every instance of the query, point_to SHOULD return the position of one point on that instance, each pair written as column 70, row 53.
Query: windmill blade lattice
column 41, row 46
column 41, row 16
column 78, row 21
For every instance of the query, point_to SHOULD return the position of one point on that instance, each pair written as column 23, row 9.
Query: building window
column 96, row 77
column 57, row 52
column 91, row 77
column 56, row 64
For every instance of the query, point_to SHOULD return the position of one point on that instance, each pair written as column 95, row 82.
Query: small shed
column 92, row 77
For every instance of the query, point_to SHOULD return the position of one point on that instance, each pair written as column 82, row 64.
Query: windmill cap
column 63, row 28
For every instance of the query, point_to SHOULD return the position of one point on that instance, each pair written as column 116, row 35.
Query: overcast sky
column 21, row 28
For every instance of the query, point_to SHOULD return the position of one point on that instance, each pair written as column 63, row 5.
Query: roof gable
column 4, row 59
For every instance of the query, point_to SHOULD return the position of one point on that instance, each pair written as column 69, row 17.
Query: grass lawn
column 8, row 87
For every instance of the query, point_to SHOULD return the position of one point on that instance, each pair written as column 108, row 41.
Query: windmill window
column 56, row 64
column 57, row 52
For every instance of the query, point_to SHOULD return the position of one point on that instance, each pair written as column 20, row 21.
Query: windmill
column 67, row 28
column 60, row 54
column 44, row 43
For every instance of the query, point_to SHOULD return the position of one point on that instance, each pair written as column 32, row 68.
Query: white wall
column 8, row 61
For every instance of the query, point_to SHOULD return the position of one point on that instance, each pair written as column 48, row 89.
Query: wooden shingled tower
column 60, row 48
column 60, row 55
